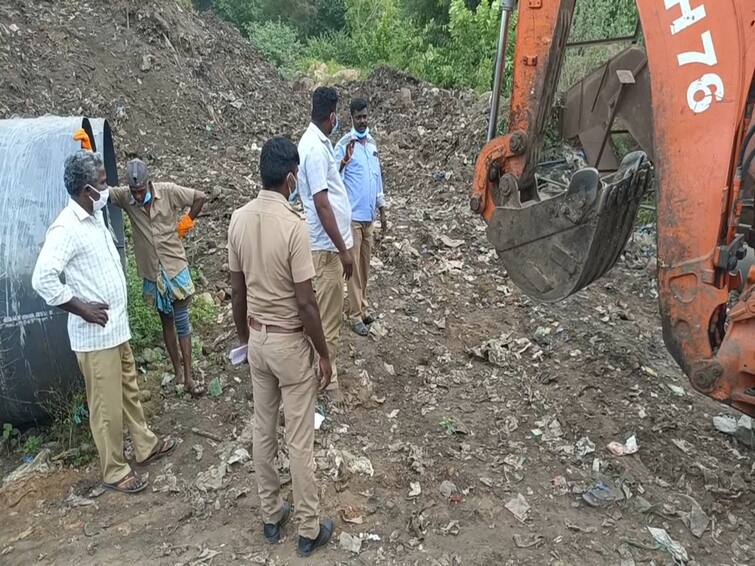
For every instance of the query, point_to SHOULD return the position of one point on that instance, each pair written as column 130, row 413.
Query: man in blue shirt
column 359, row 164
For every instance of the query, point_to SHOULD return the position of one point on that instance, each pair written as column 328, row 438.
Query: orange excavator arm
column 701, row 58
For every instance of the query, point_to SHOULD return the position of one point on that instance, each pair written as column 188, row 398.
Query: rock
column 350, row 543
column 746, row 431
column 676, row 390
column 146, row 63
column 304, row 84
column 519, row 507
column 145, row 395
column 415, row 489
column 543, row 335
column 204, row 300
column 152, row 355
column 346, row 75
column 405, row 95
column 725, row 424
column 447, row 489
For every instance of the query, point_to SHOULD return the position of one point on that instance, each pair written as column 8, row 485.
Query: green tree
column 240, row 12
column 467, row 59
column 277, row 41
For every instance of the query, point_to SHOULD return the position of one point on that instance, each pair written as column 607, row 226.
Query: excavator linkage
column 692, row 79
column 555, row 246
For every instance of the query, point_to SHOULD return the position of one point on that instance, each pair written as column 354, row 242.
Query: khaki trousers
column 113, row 398
column 329, row 292
column 363, row 242
column 283, row 368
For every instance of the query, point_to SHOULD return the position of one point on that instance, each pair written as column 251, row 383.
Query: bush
column 334, row 46
column 277, row 41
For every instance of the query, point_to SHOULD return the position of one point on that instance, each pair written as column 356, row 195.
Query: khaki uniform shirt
column 156, row 240
column 269, row 243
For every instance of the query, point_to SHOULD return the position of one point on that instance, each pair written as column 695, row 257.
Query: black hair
column 278, row 158
column 324, row 103
column 359, row 104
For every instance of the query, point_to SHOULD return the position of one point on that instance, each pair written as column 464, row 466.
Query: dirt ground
column 477, row 421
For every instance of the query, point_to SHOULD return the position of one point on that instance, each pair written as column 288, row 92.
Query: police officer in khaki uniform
column 276, row 314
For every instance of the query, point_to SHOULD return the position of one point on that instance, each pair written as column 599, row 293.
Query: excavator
column 554, row 240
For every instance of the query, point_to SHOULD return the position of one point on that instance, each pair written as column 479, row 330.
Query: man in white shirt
column 328, row 211
column 80, row 247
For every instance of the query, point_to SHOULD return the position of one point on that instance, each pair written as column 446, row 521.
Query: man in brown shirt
column 276, row 314
column 153, row 209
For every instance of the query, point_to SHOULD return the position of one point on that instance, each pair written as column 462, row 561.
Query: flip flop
column 162, row 449
column 141, row 484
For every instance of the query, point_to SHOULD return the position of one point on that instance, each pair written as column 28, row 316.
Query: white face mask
column 291, row 188
column 102, row 202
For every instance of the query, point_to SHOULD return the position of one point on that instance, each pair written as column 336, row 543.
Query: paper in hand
column 239, row 355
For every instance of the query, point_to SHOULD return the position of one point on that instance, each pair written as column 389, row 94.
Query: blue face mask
column 147, row 199
column 360, row 136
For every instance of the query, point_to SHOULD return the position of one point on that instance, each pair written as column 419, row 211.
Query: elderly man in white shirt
column 328, row 211
column 80, row 247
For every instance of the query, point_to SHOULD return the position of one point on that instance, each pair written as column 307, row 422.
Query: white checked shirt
column 80, row 247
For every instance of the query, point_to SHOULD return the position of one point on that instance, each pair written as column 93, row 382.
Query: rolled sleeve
column 55, row 255
column 181, row 197
column 316, row 170
column 120, row 196
column 300, row 255
column 234, row 263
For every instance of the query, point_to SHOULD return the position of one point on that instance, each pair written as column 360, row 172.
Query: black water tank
column 37, row 366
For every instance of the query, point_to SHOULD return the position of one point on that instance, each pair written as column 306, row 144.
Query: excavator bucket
column 561, row 242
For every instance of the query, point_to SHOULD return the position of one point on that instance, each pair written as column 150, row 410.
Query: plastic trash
column 601, row 494
column 677, row 551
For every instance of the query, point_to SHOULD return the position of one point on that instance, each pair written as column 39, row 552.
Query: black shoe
column 273, row 530
column 369, row 319
column 308, row 545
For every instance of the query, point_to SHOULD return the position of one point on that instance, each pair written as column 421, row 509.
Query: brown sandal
column 139, row 484
column 162, row 449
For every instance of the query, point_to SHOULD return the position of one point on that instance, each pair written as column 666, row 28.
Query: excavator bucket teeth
column 556, row 246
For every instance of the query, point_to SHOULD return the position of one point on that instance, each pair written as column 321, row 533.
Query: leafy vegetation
column 451, row 43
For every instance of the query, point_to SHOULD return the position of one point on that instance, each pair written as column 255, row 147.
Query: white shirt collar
column 80, row 213
column 318, row 132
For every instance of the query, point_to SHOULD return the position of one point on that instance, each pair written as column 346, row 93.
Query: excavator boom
column 554, row 241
